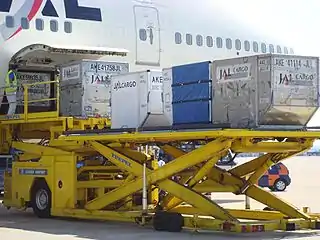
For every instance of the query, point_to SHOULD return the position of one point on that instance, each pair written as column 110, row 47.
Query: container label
column 295, row 79
column 104, row 79
column 35, row 92
column 128, row 84
column 96, row 110
column 100, row 73
column 233, row 72
column 264, row 64
column 156, row 83
column 295, row 71
column 107, row 67
column 70, row 72
column 295, row 63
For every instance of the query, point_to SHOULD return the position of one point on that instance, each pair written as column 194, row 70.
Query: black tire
column 280, row 185
column 41, row 199
column 168, row 221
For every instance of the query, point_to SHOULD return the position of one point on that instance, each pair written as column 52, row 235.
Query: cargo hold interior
column 42, row 60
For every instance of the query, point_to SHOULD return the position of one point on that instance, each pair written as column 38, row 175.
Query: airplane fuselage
column 156, row 33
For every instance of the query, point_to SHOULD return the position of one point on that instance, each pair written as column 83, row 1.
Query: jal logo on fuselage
column 73, row 10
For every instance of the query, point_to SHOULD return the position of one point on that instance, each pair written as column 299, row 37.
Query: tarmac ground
column 303, row 191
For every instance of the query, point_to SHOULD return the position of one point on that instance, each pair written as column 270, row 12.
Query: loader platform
column 119, row 178
column 41, row 126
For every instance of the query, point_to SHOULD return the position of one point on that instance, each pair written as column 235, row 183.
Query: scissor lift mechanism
column 111, row 190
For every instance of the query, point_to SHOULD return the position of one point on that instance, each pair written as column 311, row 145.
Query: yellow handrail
column 42, row 100
column 39, row 83
column 26, row 100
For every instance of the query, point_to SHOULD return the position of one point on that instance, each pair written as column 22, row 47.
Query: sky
column 295, row 21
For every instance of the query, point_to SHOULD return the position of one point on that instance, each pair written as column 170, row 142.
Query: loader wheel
column 41, row 199
column 168, row 221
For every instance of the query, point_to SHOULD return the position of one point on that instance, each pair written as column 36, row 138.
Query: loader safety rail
column 37, row 116
column 29, row 106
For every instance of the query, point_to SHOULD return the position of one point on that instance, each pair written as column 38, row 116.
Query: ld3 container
column 187, row 93
column 137, row 100
column 265, row 91
column 85, row 87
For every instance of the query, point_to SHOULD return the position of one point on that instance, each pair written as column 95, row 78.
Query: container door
column 147, row 27
column 155, row 93
column 125, row 101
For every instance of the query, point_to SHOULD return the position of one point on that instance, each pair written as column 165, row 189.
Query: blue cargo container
column 191, row 93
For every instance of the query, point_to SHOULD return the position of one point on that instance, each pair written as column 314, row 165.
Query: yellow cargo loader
column 115, row 171
column 119, row 180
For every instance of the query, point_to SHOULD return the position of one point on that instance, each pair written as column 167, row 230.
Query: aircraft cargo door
column 147, row 27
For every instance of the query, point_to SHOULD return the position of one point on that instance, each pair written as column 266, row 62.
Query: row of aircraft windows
column 39, row 24
column 247, row 46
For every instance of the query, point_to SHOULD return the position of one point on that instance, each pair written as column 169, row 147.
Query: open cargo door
column 37, row 63
column 45, row 56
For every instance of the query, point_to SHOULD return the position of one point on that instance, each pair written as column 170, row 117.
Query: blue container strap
column 193, row 100
column 189, row 83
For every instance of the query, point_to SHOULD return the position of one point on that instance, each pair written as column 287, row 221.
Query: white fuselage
column 156, row 33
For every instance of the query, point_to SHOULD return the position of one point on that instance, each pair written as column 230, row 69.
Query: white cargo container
column 36, row 92
column 85, row 87
column 137, row 100
column 273, row 91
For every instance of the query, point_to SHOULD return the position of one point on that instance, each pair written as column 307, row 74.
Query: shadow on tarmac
column 98, row 230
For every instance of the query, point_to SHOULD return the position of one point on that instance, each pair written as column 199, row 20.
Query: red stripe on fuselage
column 35, row 8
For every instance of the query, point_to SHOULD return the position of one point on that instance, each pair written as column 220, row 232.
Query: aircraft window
column 68, row 27
column 247, row 45
column 39, row 24
column 228, row 43
column 9, row 21
column 54, row 26
column 199, row 40
column 178, row 38
column 263, row 48
column 255, row 47
column 271, row 48
column 291, row 51
column 279, row 50
column 219, row 42
column 285, row 50
column 142, row 34
column 25, row 23
column 209, row 41
column 238, row 44
column 189, row 39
